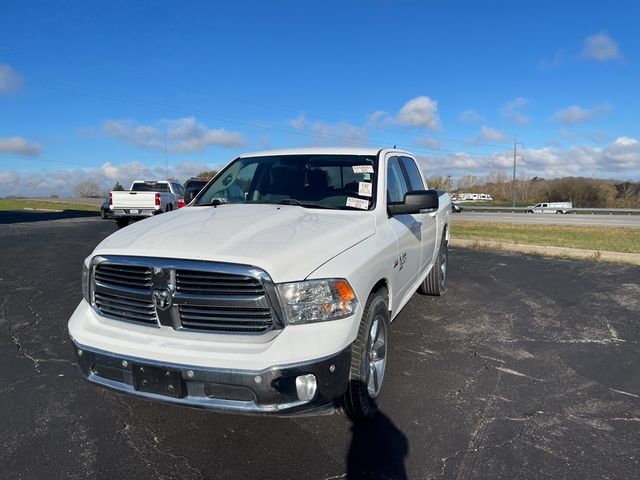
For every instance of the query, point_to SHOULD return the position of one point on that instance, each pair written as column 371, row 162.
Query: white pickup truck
column 551, row 207
column 143, row 199
column 273, row 292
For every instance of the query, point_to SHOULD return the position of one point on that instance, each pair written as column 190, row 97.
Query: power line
column 134, row 100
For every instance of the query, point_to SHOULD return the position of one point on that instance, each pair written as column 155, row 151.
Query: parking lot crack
column 37, row 361
column 146, row 449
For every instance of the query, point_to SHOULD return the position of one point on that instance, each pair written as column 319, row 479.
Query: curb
column 548, row 251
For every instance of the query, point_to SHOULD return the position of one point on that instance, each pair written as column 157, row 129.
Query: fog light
column 306, row 386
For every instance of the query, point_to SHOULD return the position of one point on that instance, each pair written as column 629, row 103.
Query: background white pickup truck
column 550, row 207
column 143, row 199
column 274, row 291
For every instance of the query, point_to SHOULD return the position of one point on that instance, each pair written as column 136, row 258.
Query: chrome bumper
column 270, row 391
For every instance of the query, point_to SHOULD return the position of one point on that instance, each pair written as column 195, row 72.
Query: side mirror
column 418, row 201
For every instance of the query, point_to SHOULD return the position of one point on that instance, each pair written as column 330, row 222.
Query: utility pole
column 166, row 160
column 515, row 155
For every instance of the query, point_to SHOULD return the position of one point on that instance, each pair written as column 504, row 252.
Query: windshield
column 314, row 181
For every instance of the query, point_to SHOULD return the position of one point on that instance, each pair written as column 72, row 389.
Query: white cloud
column 376, row 117
column 428, row 142
column 421, row 112
column 471, row 116
column 19, row 146
column 491, row 135
column 322, row 133
column 299, row 123
column 63, row 182
column 619, row 159
column 511, row 110
column 601, row 48
column 10, row 81
column 183, row 135
column 575, row 114
column 555, row 62
column 592, row 136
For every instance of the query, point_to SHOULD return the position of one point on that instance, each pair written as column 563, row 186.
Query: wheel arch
column 382, row 284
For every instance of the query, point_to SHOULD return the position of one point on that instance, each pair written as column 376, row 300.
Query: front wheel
column 436, row 281
column 368, row 359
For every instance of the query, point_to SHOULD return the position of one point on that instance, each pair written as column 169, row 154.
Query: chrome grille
column 204, row 296
column 126, row 308
column 129, row 276
column 124, row 292
column 214, row 283
column 229, row 319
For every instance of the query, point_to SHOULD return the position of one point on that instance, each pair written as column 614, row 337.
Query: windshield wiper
column 293, row 201
column 217, row 201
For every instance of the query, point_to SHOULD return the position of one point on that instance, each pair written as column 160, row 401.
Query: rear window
column 150, row 187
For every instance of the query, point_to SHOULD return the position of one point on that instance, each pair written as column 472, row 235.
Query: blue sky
column 95, row 90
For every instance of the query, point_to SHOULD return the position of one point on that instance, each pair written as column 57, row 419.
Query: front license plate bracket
column 161, row 381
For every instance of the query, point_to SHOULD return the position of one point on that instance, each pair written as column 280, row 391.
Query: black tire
column 122, row 222
column 359, row 402
column 436, row 282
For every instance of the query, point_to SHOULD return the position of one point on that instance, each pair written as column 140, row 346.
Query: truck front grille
column 226, row 319
column 214, row 283
column 124, row 308
column 129, row 276
column 124, row 292
column 204, row 296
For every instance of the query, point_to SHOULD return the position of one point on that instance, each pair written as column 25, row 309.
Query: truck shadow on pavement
column 378, row 449
column 8, row 217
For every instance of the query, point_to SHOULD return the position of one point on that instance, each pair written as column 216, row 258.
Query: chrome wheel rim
column 377, row 356
column 443, row 266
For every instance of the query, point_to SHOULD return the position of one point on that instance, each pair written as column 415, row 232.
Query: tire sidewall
column 360, row 404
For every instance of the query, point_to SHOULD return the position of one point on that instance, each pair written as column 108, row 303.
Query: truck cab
column 274, row 291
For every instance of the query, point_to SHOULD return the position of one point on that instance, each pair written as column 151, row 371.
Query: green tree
column 117, row 187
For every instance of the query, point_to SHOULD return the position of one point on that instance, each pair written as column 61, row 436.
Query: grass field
column 25, row 204
column 609, row 239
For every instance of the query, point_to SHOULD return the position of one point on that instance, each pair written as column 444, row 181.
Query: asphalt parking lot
column 528, row 368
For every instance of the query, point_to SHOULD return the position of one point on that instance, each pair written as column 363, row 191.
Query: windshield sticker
column 362, row 169
column 364, row 189
column 358, row 203
column 366, row 176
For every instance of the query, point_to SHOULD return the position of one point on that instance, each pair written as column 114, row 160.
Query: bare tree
column 88, row 189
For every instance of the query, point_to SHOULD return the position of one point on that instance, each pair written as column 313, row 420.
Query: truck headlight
column 86, row 279
column 317, row 300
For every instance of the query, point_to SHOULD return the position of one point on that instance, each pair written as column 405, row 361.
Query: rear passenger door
column 428, row 220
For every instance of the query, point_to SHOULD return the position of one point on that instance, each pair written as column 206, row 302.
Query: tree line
column 583, row 192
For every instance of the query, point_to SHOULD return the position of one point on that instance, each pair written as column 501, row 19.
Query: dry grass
column 611, row 239
column 24, row 204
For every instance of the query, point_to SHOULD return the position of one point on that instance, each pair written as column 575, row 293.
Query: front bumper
column 269, row 391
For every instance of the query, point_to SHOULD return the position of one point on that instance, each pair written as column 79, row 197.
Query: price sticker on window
column 358, row 203
column 364, row 189
column 362, row 169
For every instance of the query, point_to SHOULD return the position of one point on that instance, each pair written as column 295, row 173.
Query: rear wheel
column 122, row 222
column 436, row 281
column 368, row 359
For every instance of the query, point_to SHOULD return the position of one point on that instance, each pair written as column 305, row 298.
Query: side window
column 411, row 169
column 396, row 184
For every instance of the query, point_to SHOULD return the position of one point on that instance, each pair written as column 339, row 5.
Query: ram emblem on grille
column 161, row 298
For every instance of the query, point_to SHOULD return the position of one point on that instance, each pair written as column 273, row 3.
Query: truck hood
column 288, row 242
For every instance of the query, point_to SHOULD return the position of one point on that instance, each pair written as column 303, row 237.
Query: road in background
column 551, row 219
column 526, row 368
